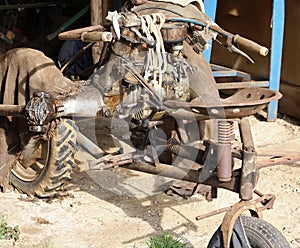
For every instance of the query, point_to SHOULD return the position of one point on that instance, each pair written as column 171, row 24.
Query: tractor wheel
column 262, row 234
column 46, row 161
column 259, row 234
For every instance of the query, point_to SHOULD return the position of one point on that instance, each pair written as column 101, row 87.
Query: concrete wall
column 252, row 19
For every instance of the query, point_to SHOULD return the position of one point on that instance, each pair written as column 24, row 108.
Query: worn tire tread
column 61, row 161
column 264, row 232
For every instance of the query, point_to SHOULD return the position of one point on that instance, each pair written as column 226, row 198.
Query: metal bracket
column 249, row 170
column 236, row 210
column 110, row 161
column 210, row 161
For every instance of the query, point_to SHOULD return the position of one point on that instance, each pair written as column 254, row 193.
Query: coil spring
column 138, row 111
column 225, row 132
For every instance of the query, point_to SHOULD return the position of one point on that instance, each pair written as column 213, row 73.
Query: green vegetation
column 8, row 232
column 165, row 241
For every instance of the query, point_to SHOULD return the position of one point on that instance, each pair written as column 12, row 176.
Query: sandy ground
column 121, row 210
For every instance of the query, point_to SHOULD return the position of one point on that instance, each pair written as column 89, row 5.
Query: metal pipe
column 212, row 213
column 225, row 133
column 89, row 146
column 86, row 103
column 249, row 170
column 224, row 162
column 11, row 110
column 185, row 174
column 246, row 135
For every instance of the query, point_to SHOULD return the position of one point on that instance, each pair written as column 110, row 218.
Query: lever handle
column 251, row 45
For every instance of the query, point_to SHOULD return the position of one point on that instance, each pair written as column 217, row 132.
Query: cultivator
column 157, row 81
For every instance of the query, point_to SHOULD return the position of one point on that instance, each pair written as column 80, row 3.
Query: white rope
column 151, row 55
column 156, row 58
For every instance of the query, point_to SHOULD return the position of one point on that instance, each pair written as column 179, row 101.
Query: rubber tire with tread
column 262, row 234
column 59, row 162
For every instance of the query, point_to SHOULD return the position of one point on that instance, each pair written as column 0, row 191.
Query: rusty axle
column 190, row 175
column 11, row 110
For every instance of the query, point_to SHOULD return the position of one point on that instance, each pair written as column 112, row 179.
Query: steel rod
column 249, row 170
column 11, row 110
column 89, row 146
column 185, row 174
column 212, row 213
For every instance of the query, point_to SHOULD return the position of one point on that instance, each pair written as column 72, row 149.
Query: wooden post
column 96, row 18
column 99, row 9
column 106, row 6
column 96, row 11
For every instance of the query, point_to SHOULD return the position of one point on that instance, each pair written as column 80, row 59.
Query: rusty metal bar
column 246, row 134
column 238, row 85
column 267, row 201
column 89, row 146
column 237, row 209
column 213, row 213
column 185, row 174
column 11, row 110
column 110, row 160
column 249, row 170
column 277, row 160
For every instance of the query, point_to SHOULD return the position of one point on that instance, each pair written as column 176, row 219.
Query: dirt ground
column 122, row 210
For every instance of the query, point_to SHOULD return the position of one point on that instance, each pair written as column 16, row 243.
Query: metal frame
column 275, row 57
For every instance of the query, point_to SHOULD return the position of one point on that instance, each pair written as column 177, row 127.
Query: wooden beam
column 96, row 18
column 99, row 9
column 106, row 6
column 96, row 11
